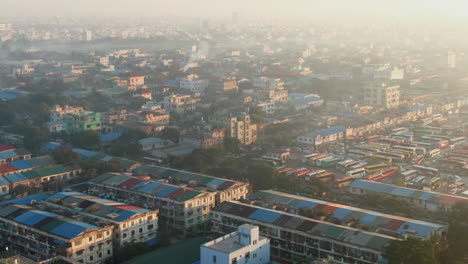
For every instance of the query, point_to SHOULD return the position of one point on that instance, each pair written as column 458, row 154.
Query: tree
column 262, row 176
column 411, row 251
column 232, row 145
column 457, row 233
column 85, row 139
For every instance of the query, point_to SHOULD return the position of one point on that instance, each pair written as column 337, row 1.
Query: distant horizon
column 332, row 10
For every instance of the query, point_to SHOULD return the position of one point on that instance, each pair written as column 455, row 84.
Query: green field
column 184, row 252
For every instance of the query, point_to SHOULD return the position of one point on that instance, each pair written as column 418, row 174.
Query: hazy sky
column 417, row 9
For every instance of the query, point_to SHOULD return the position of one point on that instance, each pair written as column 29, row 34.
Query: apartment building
column 382, row 96
column 241, row 247
column 180, row 208
column 298, row 239
column 132, row 79
column 180, row 103
column 131, row 224
column 430, row 201
column 86, row 121
column 193, row 83
column 58, row 112
column 368, row 220
column 225, row 190
column 39, row 234
column 237, row 126
column 268, row 83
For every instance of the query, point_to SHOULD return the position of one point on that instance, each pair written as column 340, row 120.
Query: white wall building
column 194, row 83
column 243, row 246
column 383, row 96
column 268, row 83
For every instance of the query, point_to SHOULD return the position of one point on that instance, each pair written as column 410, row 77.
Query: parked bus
column 395, row 156
column 343, row 182
column 382, row 158
column 423, row 144
column 285, row 170
column 358, row 166
column 458, row 140
column 344, row 165
column 357, row 174
column 418, row 160
column 308, row 176
column 433, row 153
column 418, row 179
column 291, row 172
column 331, row 163
column 319, row 161
column 383, row 174
column 427, row 170
column 325, row 177
column 399, row 130
column 434, row 182
column 312, row 160
column 375, row 168
column 305, row 158
column 357, row 153
column 372, row 138
column 304, row 172
column 409, row 174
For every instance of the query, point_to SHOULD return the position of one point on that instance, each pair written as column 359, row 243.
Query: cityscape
column 233, row 132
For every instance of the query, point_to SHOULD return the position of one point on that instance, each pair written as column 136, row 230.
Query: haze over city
column 233, row 132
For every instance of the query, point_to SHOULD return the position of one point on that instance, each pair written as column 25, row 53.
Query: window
column 214, row 259
column 91, row 258
column 254, row 255
column 234, row 261
column 150, row 227
column 141, row 230
column 255, row 242
column 90, row 238
column 78, row 242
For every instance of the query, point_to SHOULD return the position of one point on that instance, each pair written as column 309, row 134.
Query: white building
column 383, row 96
column 194, row 83
column 267, row 107
column 268, row 83
column 243, row 246
column 452, row 59
column 87, row 35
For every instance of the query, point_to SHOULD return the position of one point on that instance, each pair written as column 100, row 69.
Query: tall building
column 245, row 246
column 452, row 59
column 193, row 83
column 237, row 126
column 87, row 35
column 5, row 27
column 382, row 96
column 268, row 83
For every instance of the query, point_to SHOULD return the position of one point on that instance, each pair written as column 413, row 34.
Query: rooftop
column 96, row 206
column 432, row 197
column 370, row 220
column 310, row 226
column 44, row 221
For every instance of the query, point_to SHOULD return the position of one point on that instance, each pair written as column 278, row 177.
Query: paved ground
column 184, row 252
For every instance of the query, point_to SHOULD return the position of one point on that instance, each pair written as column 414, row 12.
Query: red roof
column 129, row 183
column 6, row 147
column 7, row 168
column 127, row 207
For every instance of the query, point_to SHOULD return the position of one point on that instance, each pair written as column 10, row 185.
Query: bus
column 427, row 170
column 305, row 158
column 399, row 130
column 418, row 179
column 285, row 170
column 404, row 148
column 372, row 138
column 423, row 144
column 395, row 156
column 383, row 174
column 408, row 154
column 458, row 140
column 420, row 151
column 409, row 174
column 344, row 165
column 375, row 168
column 304, row 172
column 291, row 172
column 358, row 166
column 319, row 161
column 365, row 149
column 434, row 182
column 311, row 161
column 357, row 174
column 331, row 163
column 418, row 159
column 310, row 175
column 325, row 177
column 343, row 182
column 382, row 158
column 433, row 153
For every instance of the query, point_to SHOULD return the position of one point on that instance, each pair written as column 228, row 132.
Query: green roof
column 42, row 172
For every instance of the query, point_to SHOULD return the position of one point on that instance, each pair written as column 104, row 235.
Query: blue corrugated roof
column 149, row 187
column 21, row 164
column 85, row 153
column 3, row 181
column 341, row 213
column 8, row 154
column 265, row 215
column 166, row 191
column 110, row 137
column 16, row 177
column 30, row 218
column 306, row 204
column 27, row 199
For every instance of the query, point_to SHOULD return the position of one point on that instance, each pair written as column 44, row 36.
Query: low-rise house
column 325, row 135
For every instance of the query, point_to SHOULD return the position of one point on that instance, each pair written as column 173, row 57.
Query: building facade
column 245, row 246
column 237, row 126
column 383, row 96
